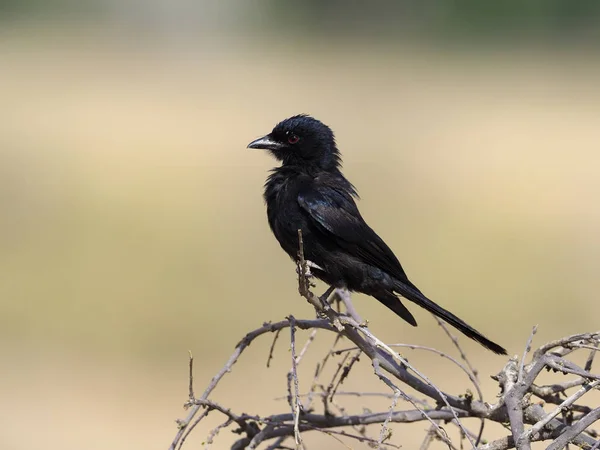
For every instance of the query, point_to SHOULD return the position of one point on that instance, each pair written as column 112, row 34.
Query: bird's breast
column 284, row 213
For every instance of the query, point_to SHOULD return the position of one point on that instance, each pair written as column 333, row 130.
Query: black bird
column 309, row 192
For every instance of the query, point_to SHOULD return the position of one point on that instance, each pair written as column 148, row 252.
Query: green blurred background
column 133, row 227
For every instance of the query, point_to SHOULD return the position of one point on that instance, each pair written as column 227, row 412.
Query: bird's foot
column 309, row 265
column 307, row 273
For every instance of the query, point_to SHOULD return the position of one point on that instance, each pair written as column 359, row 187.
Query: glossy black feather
column 334, row 210
column 310, row 193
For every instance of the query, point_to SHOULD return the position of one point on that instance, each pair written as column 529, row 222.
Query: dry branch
column 528, row 421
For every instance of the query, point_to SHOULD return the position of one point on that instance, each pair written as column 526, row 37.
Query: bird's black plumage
column 309, row 192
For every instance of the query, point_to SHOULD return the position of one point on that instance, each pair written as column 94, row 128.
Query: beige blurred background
column 133, row 227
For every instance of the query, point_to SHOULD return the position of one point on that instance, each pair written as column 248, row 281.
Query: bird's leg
column 344, row 296
column 325, row 297
column 324, row 304
column 338, row 300
column 326, row 311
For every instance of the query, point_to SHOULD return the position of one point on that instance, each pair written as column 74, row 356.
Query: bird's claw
column 307, row 273
column 309, row 265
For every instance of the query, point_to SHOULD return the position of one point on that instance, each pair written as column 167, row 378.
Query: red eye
column 292, row 139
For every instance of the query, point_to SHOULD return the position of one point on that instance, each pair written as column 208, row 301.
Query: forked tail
column 415, row 296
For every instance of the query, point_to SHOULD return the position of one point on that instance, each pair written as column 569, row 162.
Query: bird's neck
column 330, row 164
column 286, row 172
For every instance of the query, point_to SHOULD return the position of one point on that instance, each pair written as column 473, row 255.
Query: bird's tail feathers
column 394, row 303
column 415, row 296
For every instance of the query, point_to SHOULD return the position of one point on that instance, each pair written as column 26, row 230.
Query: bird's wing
column 335, row 213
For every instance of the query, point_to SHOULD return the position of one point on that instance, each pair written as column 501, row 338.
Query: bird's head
column 301, row 139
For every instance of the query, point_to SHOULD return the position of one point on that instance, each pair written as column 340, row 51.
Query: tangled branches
column 530, row 410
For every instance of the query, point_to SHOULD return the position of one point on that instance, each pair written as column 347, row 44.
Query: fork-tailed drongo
column 309, row 192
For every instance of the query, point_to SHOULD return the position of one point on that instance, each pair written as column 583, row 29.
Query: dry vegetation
column 555, row 414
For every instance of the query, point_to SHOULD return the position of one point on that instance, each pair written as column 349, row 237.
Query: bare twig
column 270, row 357
column 468, row 372
column 556, row 387
column 318, row 371
column 562, row 407
column 192, row 396
column 241, row 346
column 590, row 359
column 574, row 430
column 398, row 393
column 303, row 280
column 335, row 374
column 213, row 433
column 456, row 343
column 513, row 395
column 527, row 350
column 360, row 438
column 240, row 419
column 567, row 367
column 296, row 401
column 188, row 428
column 586, row 337
column 473, row 374
column 383, row 435
column 346, row 394
column 309, row 341
column 442, row 396
column 429, row 436
column 345, row 372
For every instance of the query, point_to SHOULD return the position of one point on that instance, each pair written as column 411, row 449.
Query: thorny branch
column 528, row 421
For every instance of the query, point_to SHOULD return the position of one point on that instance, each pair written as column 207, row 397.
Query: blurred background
column 133, row 227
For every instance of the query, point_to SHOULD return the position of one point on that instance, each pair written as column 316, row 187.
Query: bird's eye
column 292, row 139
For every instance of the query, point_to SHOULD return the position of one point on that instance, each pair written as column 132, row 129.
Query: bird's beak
column 266, row 143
